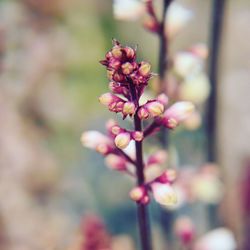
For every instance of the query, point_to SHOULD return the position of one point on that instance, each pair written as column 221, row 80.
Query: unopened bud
column 160, row 157
column 151, row 24
column 107, row 98
column 144, row 69
column 122, row 140
column 168, row 176
column 116, row 162
column 128, row 108
column 162, row 98
column 137, row 135
column 155, row 108
column 130, row 53
column 143, row 113
column 137, row 193
column 117, row 52
column 127, row 68
column 116, row 130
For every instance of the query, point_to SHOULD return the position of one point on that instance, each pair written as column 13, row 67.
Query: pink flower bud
column 116, row 162
column 116, row 129
column 164, row 194
column 122, row 140
column 184, row 229
column 127, row 68
column 129, row 108
column 155, row 108
column 169, row 176
column 110, row 123
column 137, row 135
column 137, row 193
column 143, row 113
column 160, row 157
column 151, row 24
column 118, row 77
column 108, row 98
column 130, row 53
column 144, row 69
column 117, row 52
column 162, row 98
column 145, row 200
column 97, row 141
column 114, row 64
column 177, row 113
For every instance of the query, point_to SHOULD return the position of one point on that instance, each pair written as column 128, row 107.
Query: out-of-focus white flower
column 128, row 10
column 193, row 122
column 195, row 89
column 92, row 139
column 164, row 194
column 218, row 239
column 187, row 64
column 207, row 188
column 151, row 172
column 176, row 18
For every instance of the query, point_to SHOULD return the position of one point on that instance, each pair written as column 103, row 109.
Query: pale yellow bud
column 138, row 135
column 129, row 108
column 122, row 140
column 137, row 193
column 144, row 69
column 155, row 108
column 117, row 52
column 106, row 99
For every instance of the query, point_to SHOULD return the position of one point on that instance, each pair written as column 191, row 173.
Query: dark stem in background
column 166, row 218
column 214, row 47
column 217, row 18
column 163, row 64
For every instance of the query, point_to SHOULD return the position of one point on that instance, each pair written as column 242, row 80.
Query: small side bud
column 160, row 157
column 143, row 113
column 128, row 108
column 144, row 69
column 122, row 140
column 116, row 162
column 116, row 129
column 137, row 135
column 137, row 193
column 162, row 98
column 108, row 98
column 155, row 108
column 151, row 24
column 130, row 53
column 168, row 176
column 127, row 68
column 117, row 52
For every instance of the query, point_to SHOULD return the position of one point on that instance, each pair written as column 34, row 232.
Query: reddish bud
column 155, row 108
column 115, row 130
column 137, row 135
column 130, row 53
column 160, row 157
column 143, row 113
column 117, row 52
column 151, row 24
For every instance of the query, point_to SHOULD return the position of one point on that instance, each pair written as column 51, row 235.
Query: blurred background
column 50, row 79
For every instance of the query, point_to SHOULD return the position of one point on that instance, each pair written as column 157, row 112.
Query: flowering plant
column 128, row 80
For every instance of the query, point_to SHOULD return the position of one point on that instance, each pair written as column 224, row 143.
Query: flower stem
column 142, row 213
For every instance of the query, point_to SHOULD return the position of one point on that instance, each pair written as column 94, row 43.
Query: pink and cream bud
column 137, row 135
column 184, row 229
column 116, row 162
column 144, row 69
column 122, row 140
column 108, row 98
column 154, row 108
column 160, row 157
column 177, row 113
column 128, row 108
column 164, row 194
column 138, row 193
column 97, row 141
column 162, row 98
column 143, row 113
column 127, row 68
column 169, row 176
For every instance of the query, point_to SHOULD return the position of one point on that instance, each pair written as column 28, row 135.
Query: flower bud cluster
column 161, row 188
